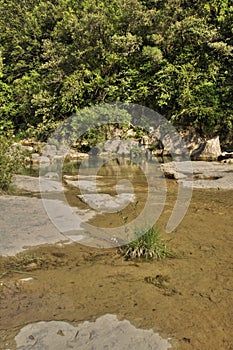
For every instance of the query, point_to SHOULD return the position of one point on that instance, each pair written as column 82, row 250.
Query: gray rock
column 170, row 168
column 27, row 148
column 73, row 156
column 25, row 223
column 191, row 139
column 35, row 157
column 171, row 171
column 58, row 158
column 85, row 185
column 111, row 146
column 49, row 151
column 106, row 203
column 105, row 333
column 201, row 174
column 119, row 146
column 31, row 184
column 44, row 159
column 52, row 175
column 209, row 150
column 126, row 146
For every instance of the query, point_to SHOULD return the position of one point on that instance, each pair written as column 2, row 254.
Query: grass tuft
column 147, row 246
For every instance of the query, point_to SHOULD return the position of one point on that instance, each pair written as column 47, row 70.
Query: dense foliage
column 174, row 56
column 10, row 161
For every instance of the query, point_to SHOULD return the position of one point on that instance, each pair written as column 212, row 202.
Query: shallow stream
column 75, row 282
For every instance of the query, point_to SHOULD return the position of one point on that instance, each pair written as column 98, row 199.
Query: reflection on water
column 107, row 332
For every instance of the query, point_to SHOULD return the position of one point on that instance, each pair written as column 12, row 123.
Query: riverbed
column 187, row 300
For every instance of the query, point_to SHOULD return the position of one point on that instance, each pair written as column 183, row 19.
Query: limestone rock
column 51, row 175
column 200, row 174
column 107, row 203
column 44, row 159
column 209, row 150
column 49, row 151
column 73, row 155
column 31, row 184
column 35, row 158
column 107, row 332
column 111, row 146
column 119, row 146
column 172, row 171
column 126, row 146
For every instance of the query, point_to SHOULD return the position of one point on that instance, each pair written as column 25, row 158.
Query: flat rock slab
column 107, row 332
column 200, row 174
column 83, row 185
column 24, row 223
column 217, row 181
column 36, row 184
column 107, row 203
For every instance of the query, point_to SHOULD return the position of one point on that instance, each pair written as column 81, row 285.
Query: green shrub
column 10, row 161
column 6, row 128
column 147, row 246
column 43, row 130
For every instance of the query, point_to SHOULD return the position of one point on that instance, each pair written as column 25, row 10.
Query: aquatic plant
column 146, row 246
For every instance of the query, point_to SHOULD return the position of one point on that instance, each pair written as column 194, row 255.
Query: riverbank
column 188, row 300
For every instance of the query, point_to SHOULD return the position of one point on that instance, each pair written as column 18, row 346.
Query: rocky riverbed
column 57, row 285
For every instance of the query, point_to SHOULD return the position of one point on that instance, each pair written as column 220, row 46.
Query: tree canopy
column 174, row 56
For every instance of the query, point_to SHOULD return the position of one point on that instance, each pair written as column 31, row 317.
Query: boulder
column 209, row 150
column 126, row 146
column 111, row 146
column 49, row 151
column 73, row 155
column 44, row 159
column 58, row 158
column 119, row 146
column 26, row 148
column 191, row 139
column 171, row 171
column 35, row 157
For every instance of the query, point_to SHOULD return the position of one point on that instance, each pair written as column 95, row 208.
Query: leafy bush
column 147, row 246
column 43, row 130
column 10, row 161
column 6, row 128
